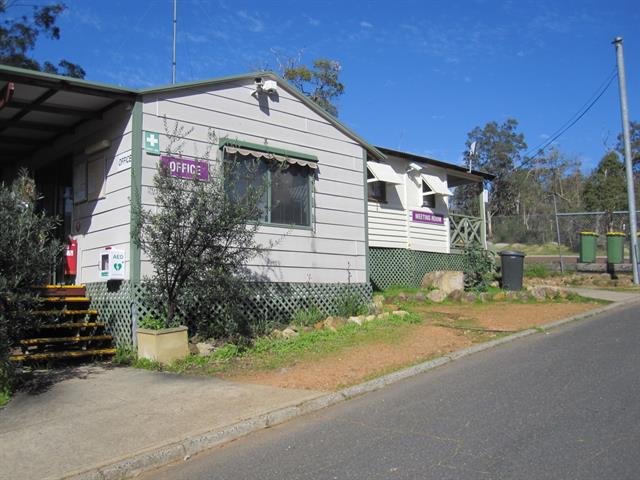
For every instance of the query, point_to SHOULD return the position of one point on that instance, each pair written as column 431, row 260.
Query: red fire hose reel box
column 71, row 258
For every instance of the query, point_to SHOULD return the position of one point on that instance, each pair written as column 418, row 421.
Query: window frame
column 383, row 196
column 310, row 190
column 428, row 197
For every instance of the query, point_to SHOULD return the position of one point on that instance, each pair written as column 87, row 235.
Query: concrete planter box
column 164, row 345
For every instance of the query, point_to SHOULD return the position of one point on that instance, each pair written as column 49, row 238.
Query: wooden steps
column 70, row 328
column 67, row 299
column 72, row 325
column 98, row 352
column 77, row 339
column 66, row 313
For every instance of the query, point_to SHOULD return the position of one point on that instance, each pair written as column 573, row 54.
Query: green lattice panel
column 406, row 268
column 274, row 302
column 113, row 301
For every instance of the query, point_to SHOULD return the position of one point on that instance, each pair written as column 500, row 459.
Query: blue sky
column 419, row 75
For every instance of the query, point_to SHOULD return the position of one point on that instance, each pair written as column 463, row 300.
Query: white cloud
column 544, row 136
column 314, row 22
column 254, row 24
column 365, row 24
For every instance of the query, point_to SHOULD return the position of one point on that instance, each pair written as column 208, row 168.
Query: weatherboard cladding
column 333, row 250
column 334, row 247
column 391, row 224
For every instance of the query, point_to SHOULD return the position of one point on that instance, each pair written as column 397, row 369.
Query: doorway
column 54, row 182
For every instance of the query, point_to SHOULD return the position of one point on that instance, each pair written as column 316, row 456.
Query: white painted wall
column 391, row 224
column 335, row 246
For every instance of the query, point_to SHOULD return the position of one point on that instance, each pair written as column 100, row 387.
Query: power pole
column 175, row 21
column 622, row 83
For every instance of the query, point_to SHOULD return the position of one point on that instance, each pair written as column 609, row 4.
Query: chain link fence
column 541, row 231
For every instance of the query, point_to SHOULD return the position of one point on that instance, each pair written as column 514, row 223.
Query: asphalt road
column 561, row 405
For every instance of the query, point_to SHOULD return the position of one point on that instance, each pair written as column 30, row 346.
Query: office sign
column 186, row 168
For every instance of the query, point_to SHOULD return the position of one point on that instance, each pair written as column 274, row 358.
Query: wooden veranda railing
column 465, row 231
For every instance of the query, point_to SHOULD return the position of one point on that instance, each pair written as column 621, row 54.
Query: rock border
column 151, row 459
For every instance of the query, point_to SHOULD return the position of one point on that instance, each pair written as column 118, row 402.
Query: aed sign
column 185, row 168
column 111, row 264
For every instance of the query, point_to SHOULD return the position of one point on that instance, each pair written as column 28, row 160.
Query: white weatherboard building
column 95, row 148
column 411, row 227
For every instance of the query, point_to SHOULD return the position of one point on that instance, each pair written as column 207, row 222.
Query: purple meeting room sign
column 185, row 168
column 424, row 217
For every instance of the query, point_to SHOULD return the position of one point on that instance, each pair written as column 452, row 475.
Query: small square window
column 377, row 191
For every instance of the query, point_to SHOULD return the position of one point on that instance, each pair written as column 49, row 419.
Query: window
column 428, row 196
column 377, row 189
column 89, row 179
column 287, row 187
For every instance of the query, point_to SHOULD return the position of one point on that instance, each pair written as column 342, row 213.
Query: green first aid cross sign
column 152, row 142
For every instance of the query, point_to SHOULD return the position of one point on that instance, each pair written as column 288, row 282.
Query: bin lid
column 510, row 253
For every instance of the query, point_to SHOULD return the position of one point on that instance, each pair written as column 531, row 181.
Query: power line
column 582, row 111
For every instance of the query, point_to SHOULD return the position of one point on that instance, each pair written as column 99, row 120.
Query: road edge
column 182, row 450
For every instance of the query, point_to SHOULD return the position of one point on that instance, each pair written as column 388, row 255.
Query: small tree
column 200, row 237
column 28, row 252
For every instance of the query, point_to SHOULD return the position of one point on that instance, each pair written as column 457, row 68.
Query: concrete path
column 89, row 416
column 601, row 294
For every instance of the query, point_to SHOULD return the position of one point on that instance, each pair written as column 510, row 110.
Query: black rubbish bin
column 512, row 269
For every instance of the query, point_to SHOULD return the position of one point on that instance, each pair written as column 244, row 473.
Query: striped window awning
column 282, row 157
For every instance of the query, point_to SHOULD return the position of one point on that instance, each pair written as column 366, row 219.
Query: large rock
column 289, row 333
column 378, row 303
column 419, row 297
column 469, row 297
column 456, row 295
column 204, row 348
column 539, row 293
column 437, row 296
column 333, row 323
column 444, row 280
column 356, row 320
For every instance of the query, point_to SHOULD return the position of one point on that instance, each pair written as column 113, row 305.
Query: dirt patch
column 359, row 363
column 419, row 343
column 510, row 317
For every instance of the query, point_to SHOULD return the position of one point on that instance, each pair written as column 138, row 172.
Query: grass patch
column 539, row 270
column 5, row 396
column 268, row 353
column 395, row 290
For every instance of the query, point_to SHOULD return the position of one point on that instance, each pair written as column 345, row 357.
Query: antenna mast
column 175, row 21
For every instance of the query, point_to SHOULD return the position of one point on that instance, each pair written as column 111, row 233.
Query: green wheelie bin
column 588, row 244
column 615, row 247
